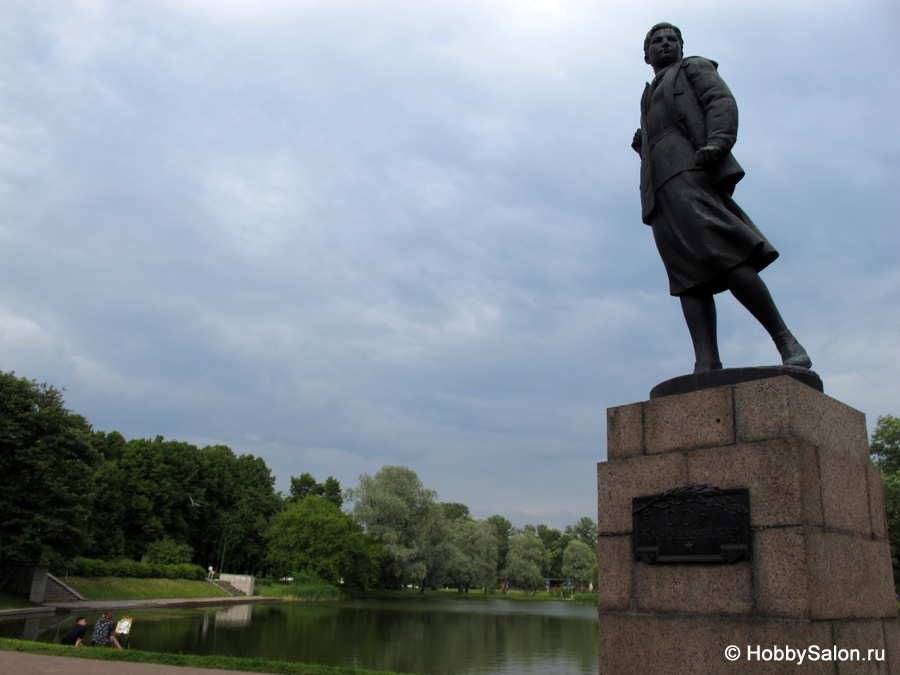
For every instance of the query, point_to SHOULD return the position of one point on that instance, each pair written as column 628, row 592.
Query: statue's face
column 664, row 48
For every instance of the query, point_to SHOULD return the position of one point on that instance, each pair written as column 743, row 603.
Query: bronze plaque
column 692, row 524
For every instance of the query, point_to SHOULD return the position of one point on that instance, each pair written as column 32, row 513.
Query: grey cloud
column 341, row 235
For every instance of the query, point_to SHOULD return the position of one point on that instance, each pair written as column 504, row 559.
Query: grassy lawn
column 280, row 589
column 10, row 601
column 316, row 590
column 183, row 660
column 117, row 588
column 473, row 595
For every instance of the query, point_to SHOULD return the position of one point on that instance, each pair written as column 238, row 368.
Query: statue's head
column 661, row 26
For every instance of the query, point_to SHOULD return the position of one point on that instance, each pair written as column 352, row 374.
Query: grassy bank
column 184, row 660
column 12, row 601
column 118, row 588
column 586, row 598
column 473, row 595
column 316, row 590
column 308, row 588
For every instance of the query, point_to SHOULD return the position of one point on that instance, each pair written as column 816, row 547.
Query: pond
column 427, row 636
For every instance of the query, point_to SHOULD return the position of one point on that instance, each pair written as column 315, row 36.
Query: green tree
column 305, row 485
column 579, row 561
column 555, row 543
column 46, row 474
column 527, row 561
column 247, row 520
column 331, row 491
column 454, row 510
column 502, row 531
column 585, row 531
column 438, row 548
column 884, row 449
column 216, row 496
column 232, row 506
column 474, row 564
column 557, row 552
column 208, row 500
column 167, row 551
column 110, row 503
column 401, row 514
column 891, row 485
column 157, row 480
column 548, row 535
column 885, row 444
column 315, row 535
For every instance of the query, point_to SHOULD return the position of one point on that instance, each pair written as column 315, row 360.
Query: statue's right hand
column 637, row 141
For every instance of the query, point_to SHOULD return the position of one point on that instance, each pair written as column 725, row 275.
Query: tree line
column 884, row 449
column 69, row 491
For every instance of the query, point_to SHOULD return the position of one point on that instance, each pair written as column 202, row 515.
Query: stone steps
column 57, row 591
column 228, row 588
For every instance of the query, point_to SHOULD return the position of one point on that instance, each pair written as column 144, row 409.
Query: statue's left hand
column 708, row 154
column 636, row 141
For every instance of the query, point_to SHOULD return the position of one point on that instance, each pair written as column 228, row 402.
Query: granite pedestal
column 820, row 571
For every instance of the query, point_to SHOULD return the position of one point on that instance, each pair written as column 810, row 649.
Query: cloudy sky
column 339, row 234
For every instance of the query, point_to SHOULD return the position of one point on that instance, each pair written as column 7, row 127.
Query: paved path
column 86, row 606
column 119, row 605
column 16, row 663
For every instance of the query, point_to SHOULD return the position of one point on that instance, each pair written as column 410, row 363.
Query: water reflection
column 235, row 615
column 34, row 626
column 431, row 637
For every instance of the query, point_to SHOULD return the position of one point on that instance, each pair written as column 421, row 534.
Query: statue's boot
column 702, row 367
column 792, row 352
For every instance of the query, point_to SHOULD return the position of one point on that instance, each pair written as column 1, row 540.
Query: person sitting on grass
column 103, row 632
column 75, row 634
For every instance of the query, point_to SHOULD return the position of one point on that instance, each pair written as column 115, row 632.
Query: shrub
column 307, row 585
column 187, row 571
column 128, row 568
column 88, row 567
column 586, row 598
column 167, row 551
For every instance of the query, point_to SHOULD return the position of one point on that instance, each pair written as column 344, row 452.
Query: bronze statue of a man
column 689, row 122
